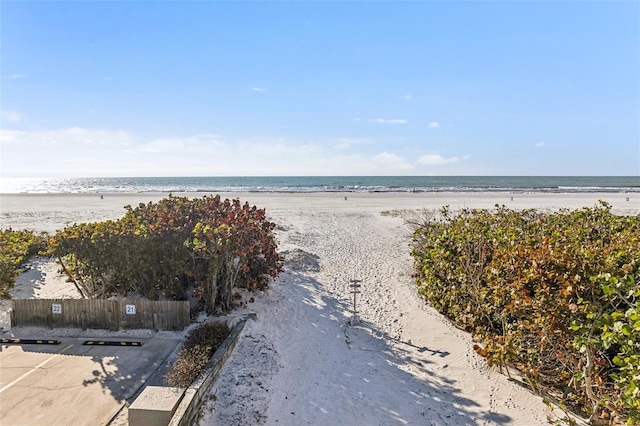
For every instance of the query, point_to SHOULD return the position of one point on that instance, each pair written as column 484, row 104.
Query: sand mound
column 301, row 261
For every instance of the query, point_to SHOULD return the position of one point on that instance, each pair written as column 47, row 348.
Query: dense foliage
column 200, row 344
column 171, row 248
column 555, row 295
column 15, row 248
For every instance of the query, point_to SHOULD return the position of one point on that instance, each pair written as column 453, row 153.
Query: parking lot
column 71, row 383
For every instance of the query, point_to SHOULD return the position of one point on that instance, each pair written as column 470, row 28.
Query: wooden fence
column 101, row 314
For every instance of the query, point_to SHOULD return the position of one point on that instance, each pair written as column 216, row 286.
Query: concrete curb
column 194, row 394
column 125, row 405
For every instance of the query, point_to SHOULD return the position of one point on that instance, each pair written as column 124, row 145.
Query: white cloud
column 438, row 160
column 389, row 162
column 388, row 121
column 407, row 97
column 342, row 146
column 73, row 152
column 346, row 143
column 72, row 138
column 434, row 125
column 10, row 116
column 13, row 76
column 76, row 152
column 176, row 146
column 258, row 89
column 539, row 144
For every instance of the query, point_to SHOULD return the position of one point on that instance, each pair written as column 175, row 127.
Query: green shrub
column 170, row 247
column 200, row 344
column 553, row 294
column 15, row 248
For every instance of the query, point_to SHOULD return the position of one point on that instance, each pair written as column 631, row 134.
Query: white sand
column 301, row 362
column 47, row 212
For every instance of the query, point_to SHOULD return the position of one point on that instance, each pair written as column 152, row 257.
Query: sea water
column 308, row 184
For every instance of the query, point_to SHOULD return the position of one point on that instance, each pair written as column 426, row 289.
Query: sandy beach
column 49, row 212
column 302, row 362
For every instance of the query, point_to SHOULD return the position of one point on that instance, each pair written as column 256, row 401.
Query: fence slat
column 101, row 314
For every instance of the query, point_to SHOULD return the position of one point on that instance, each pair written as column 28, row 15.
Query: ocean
column 308, row 184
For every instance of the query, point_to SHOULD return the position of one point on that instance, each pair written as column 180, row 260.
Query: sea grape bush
column 555, row 295
column 15, row 248
column 612, row 326
column 171, row 247
column 235, row 247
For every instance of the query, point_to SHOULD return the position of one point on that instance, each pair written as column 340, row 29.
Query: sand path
column 302, row 363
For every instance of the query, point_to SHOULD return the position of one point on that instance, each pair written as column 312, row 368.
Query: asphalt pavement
column 73, row 383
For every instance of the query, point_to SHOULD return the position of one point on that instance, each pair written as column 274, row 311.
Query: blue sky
column 208, row 88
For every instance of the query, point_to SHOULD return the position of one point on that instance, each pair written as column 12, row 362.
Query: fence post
column 83, row 320
column 355, row 285
column 115, row 306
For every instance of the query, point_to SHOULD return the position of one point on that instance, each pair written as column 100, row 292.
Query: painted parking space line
column 35, row 368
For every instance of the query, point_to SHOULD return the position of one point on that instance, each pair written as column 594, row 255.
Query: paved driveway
column 73, row 384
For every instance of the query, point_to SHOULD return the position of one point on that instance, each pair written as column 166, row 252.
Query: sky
column 253, row 88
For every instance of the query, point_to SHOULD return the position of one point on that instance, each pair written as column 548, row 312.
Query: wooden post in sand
column 355, row 284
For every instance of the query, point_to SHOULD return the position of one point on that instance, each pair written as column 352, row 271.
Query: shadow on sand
column 388, row 380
